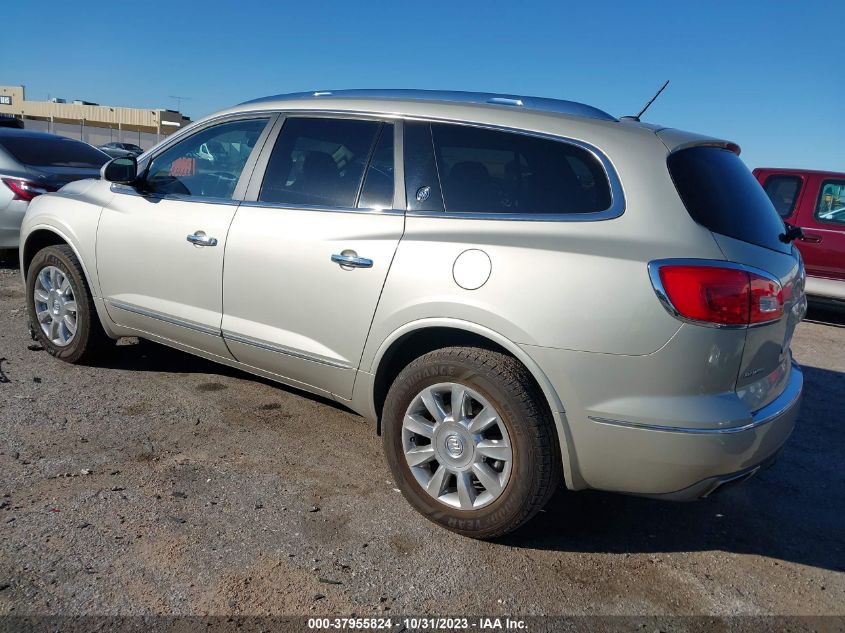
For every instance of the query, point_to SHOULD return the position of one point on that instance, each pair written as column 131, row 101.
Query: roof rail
column 538, row 104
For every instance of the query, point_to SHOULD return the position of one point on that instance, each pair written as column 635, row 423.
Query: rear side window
column 53, row 152
column 490, row 171
column 783, row 192
column 319, row 162
column 831, row 203
column 721, row 194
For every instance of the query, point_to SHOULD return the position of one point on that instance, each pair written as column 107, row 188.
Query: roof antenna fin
column 646, row 106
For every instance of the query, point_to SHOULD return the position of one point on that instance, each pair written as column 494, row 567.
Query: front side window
column 783, row 192
column 490, row 171
column 831, row 203
column 207, row 164
column 319, row 162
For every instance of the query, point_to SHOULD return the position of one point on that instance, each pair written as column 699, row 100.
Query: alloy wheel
column 457, row 446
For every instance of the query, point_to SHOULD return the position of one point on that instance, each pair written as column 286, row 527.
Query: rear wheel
column 61, row 311
column 469, row 442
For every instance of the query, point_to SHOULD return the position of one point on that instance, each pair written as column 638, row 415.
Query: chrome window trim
column 320, row 208
column 657, row 283
column 128, row 190
column 769, row 413
column 617, row 196
column 160, row 316
column 280, row 349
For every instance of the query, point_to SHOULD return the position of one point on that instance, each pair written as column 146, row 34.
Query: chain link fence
column 95, row 135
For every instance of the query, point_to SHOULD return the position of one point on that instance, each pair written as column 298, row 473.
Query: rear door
column 309, row 251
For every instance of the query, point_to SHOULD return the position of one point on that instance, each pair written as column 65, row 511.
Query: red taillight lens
column 25, row 189
column 725, row 296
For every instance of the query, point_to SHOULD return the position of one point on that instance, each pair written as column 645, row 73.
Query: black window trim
column 798, row 191
column 816, row 217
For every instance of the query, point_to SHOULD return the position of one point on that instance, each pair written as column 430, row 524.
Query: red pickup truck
column 815, row 202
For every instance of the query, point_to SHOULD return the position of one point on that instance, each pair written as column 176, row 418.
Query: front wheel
column 468, row 441
column 61, row 311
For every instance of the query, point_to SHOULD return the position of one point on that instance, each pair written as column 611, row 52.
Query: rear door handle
column 350, row 259
column 199, row 238
column 813, row 239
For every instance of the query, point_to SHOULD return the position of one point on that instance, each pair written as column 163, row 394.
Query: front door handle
column 199, row 238
column 349, row 259
column 813, row 239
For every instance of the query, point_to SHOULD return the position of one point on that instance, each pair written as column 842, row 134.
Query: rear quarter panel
column 569, row 285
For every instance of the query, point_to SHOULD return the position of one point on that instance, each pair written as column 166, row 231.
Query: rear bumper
column 681, row 463
column 11, row 218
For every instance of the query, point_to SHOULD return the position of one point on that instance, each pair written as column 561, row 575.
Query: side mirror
column 123, row 170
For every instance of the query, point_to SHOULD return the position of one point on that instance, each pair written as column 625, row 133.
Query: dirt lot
column 156, row 482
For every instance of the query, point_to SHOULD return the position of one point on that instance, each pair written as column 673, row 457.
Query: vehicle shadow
column 9, row 259
column 826, row 313
column 139, row 355
column 792, row 511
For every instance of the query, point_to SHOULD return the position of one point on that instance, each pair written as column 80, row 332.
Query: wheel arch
column 420, row 337
column 42, row 236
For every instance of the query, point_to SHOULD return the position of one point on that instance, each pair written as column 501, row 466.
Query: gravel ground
column 156, row 482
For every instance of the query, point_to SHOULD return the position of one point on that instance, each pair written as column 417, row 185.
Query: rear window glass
column 783, row 192
column 53, row 152
column 489, row 171
column 721, row 194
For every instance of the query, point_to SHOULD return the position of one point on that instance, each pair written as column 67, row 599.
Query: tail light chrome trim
column 660, row 290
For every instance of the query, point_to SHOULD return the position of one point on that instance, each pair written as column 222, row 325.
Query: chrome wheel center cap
column 57, row 306
column 454, row 445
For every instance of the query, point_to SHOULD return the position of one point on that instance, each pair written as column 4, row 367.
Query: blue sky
column 769, row 75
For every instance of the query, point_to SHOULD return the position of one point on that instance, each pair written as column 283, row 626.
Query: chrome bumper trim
column 785, row 401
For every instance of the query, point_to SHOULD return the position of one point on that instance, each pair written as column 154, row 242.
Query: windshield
column 41, row 151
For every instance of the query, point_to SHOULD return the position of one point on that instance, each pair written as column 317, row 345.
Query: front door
column 823, row 244
column 307, row 258
column 160, row 245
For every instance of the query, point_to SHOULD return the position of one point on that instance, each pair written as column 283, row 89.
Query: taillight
column 718, row 295
column 26, row 189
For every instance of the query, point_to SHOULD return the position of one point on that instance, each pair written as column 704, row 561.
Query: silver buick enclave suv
column 513, row 289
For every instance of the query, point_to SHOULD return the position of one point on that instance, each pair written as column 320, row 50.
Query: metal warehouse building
column 90, row 122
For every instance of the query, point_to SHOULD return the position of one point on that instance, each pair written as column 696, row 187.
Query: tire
column 522, row 422
column 88, row 339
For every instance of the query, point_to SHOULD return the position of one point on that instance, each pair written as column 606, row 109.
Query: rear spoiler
column 676, row 140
